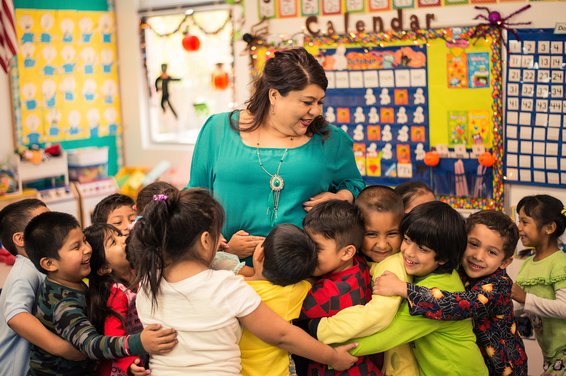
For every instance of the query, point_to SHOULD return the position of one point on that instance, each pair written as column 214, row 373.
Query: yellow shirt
column 260, row 358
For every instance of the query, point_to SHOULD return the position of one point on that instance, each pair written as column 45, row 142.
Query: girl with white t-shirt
column 173, row 246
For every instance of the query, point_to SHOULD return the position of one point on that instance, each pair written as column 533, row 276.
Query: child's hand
column 243, row 244
column 158, row 341
column 223, row 244
column 388, row 284
column 343, row 360
column 518, row 294
column 137, row 369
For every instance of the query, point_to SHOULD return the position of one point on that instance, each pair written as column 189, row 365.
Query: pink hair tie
column 160, row 197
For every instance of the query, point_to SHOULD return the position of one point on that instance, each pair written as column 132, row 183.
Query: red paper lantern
column 431, row 159
column 191, row 43
column 486, row 159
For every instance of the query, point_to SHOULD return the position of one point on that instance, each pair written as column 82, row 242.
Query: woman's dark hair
column 411, row 189
column 544, row 209
column 500, row 223
column 168, row 231
column 14, row 218
column 338, row 220
column 439, row 227
column 289, row 70
column 289, row 255
column 100, row 286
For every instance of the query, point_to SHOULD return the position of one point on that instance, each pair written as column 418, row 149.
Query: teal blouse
column 230, row 169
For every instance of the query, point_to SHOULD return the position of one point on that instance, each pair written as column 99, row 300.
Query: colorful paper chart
column 535, row 120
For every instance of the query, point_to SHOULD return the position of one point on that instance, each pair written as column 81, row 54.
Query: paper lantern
column 191, row 42
column 486, row 159
column 431, row 159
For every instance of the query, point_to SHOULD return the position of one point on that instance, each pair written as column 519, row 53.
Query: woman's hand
column 243, row 244
column 388, row 284
column 343, row 194
column 158, row 341
column 343, row 360
column 518, row 294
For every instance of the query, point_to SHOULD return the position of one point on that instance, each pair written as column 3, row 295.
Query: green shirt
column 440, row 347
column 230, row 169
column 543, row 278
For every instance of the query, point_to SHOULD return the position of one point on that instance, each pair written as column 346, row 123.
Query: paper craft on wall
column 535, row 124
column 401, row 95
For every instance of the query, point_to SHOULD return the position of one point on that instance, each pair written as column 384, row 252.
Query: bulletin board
column 65, row 81
column 401, row 95
column 535, row 123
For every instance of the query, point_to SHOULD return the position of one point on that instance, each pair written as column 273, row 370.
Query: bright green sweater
column 440, row 347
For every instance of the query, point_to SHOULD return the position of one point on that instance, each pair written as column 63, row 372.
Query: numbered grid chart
column 535, row 124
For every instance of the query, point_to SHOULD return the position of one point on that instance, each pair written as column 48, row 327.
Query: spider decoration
column 496, row 20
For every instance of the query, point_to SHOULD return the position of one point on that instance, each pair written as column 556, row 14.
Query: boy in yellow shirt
column 282, row 263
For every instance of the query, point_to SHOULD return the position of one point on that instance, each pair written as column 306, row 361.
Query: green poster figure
column 162, row 83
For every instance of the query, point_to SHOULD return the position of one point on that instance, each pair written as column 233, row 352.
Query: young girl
column 541, row 282
column 174, row 244
column 112, row 308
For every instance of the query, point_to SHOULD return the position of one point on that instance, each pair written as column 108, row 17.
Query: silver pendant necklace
column 276, row 181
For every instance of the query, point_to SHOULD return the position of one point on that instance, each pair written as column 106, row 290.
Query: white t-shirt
column 204, row 309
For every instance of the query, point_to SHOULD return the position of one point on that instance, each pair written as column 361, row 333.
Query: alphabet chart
column 535, row 125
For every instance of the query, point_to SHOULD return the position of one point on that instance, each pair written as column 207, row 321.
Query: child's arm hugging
column 72, row 324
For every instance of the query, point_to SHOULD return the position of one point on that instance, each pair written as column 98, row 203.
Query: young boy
column 117, row 210
column 434, row 239
column 56, row 245
column 337, row 229
column 282, row 264
column 492, row 238
column 18, row 325
column 382, row 210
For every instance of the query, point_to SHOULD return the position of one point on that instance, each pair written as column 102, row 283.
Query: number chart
column 535, row 124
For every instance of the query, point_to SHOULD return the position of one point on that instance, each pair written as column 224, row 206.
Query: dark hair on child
column 289, row 255
column 14, row 218
column 500, row 223
column 382, row 199
column 108, row 204
column 168, row 231
column 145, row 195
column 439, row 227
column 45, row 235
column 411, row 189
column 338, row 220
column 288, row 70
column 100, row 286
column 544, row 209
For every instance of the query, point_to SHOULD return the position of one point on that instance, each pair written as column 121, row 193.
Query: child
column 541, row 282
column 382, row 210
column 111, row 305
column 337, row 228
column 434, row 239
column 145, row 195
column 56, row 245
column 282, row 264
column 117, row 210
column 18, row 325
column 174, row 243
column 492, row 238
column 414, row 193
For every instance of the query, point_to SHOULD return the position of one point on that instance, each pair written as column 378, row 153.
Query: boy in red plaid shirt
column 337, row 229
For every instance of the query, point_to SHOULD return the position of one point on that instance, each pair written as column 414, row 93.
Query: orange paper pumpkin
column 431, row 159
column 486, row 159
column 191, row 43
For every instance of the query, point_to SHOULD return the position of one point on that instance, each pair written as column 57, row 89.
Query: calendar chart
column 535, row 122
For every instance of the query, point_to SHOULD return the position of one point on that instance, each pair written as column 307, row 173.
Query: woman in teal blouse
column 275, row 160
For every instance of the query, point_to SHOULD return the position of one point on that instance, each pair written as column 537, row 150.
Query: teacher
column 275, row 160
